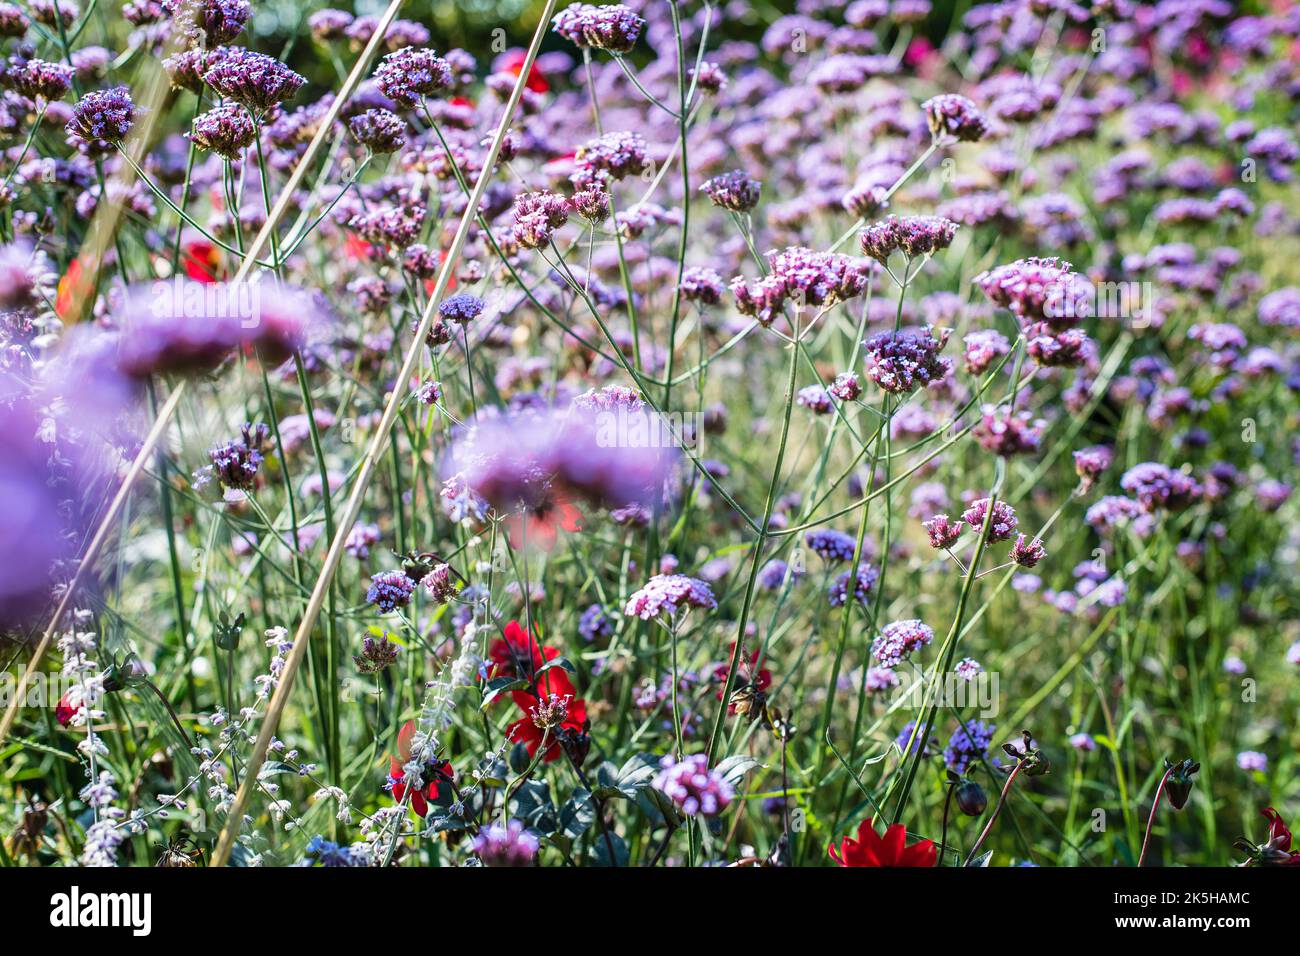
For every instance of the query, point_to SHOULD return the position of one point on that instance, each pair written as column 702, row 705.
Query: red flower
column 540, row 527
column 513, row 62
column 870, row 849
column 517, row 654
column 70, row 289
column 358, row 248
column 436, row 773
column 64, row 712
column 201, row 259
column 1279, row 841
column 525, row 730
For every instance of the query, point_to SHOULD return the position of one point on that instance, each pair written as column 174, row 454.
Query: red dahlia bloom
column 516, row 654
column 870, row 849
column 436, row 773
column 525, row 730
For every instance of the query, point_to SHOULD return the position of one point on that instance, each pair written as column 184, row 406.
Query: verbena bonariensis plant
column 691, row 438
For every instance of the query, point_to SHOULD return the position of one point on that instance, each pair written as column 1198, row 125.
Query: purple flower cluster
column 235, row 464
column 609, row 158
column 950, row 115
column 736, row 190
column 968, row 745
column 899, row 640
column 254, row 80
column 595, row 624
column 39, row 79
column 412, row 73
column 983, row 348
column 533, row 460
column 506, row 846
column 1003, row 523
column 914, row 236
column 864, row 580
column 903, row 361
column 378, row 130
column 666, row 594
column 613, row 28
column 390, row 590
column 943, row 532
column 697, row 789
column 834, row 546
column 801, row 275
column 1006, row 433
column 1157, row 486
column 537, row 216
column 101, row 119
column 225, row 130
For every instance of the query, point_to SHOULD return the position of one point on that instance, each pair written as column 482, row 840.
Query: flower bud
column 971, row 799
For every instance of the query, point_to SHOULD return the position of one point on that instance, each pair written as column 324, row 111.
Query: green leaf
column 734, row 768
column 498, row 686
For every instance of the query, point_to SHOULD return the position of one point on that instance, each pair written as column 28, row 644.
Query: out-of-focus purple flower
column 535, row 459
column 1281, row 308
column 955, row 116
column 968, row 745
column 609, row 158
column 1158, row 486
column 183, row 327
column 506, row 846
column 1272, row 494
column 696, row 788
column 595, row 624
column 1252, row 761
column 1091, row 463
column 667, row 594
column 1004, row 432
column 983, row 348
column 834, row 546
column 328, row 24
column 968, row 669
column 879, row 679
column 1083, row 742
column 736, row 191
column 907, row 745
column 31, row 532
column 816, row 399
column 863, row 581
column 39, row 79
